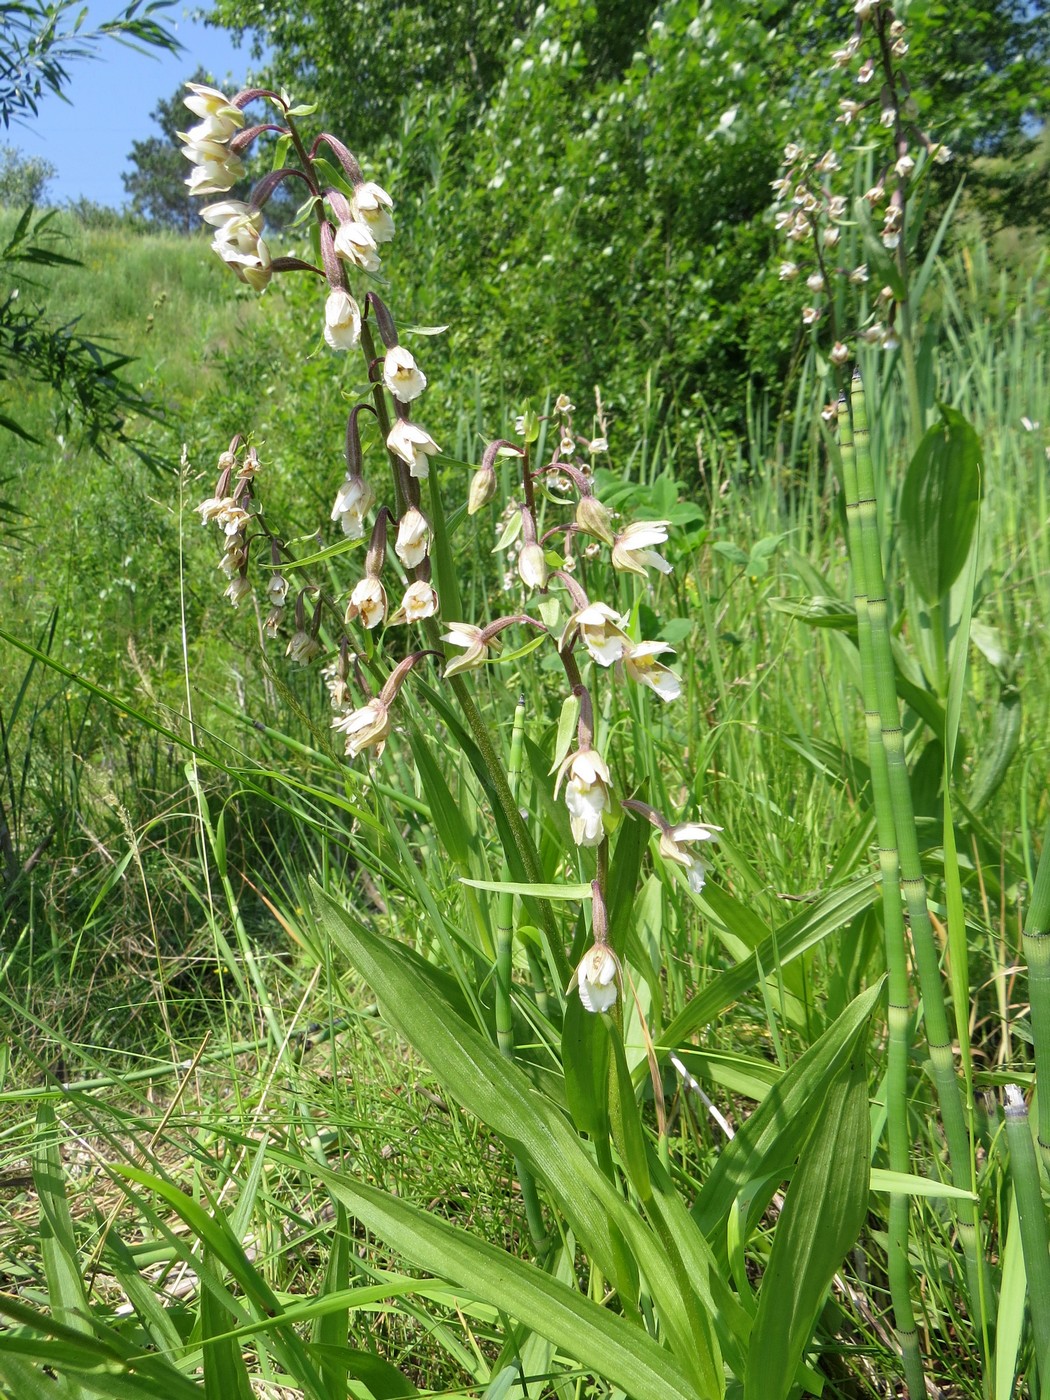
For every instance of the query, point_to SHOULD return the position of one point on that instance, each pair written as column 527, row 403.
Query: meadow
column 553, row 1023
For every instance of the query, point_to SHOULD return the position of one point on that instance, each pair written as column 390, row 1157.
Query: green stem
column 913, row 884
column 1031, row 1214
column 899, row 1016
column 1036, row 942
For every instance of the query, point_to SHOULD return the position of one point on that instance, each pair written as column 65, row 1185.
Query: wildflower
column 366, row 728
column 839, row 353
column 473, row 640
column 837, row 207
column 413, row 445
column 272, row 625
column 674, row 841
column 859, row 275
column 810, row 315
column 213, row 508
column 215, row 169
column 788, row 271
column 600, row 629
column 596, row 978
column 567, row 446
column 599, row 444
column 562, row 404
column 277, row 590
column 631, row 552
column 214, row 106
column 303, row 646
column 402, row 376
column 413, row 538
column 866, row 71
column 941, row 154
column 587, row 794
column 367, row 601
column 342, row 321
column 594, row 518
column 372, row 206
column 641, row 665
column 815, row 281
column 827, row 164
column 887, row 117
column 482, row 489
column 904, row 166
column 354, row 244
column 224, row 210
column 848, row 110
column 792, row 152
column 239, row 589
column 242, row 248
column 831, row 237
column 532, row 565
column 420, row 601
column 891, row 340
column 352, row 501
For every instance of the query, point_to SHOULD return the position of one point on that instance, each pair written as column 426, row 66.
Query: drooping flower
column 277, row 590
column 352, row 502
column 476, row 648
column 242, row 248
column 413, row 538
column 367, row 601
column 342, row 321
column 215, row 107
column 303, row 646
column 640, row 662
column 587, row 794
column 673, row 847
column 532, row 565
column 366, row 728
column 413, row 445
column 354, row 244
column 372, row 206
column 402, row 376
column 223, row 210
column 596, row 978
column 600, row 629
column 420, row 601
column 631, row 552
column 239, row 589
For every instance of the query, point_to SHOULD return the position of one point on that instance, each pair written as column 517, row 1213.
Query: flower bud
column 532, row 565
column 482, row 489
column 594, row 518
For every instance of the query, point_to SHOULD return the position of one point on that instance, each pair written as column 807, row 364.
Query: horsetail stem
column 912, row 881
column 899, row 1008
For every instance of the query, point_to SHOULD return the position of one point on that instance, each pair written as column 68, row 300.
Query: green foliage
column 23, row 179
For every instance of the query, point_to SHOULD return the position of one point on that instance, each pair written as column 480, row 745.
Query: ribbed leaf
column 939, row 503
column 599, row 1340
column 821, row 1219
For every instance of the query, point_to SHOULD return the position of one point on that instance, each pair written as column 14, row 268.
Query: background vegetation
column 583, row 200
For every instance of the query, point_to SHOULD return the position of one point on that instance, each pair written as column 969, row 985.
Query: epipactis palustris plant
column 353, row 221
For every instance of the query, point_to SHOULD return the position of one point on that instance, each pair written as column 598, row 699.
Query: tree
column 23, row 179
column 39, row 39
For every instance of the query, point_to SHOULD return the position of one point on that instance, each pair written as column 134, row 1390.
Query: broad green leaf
column 625, row 1120
column 939, row 504
column 770, row 1140
column 585, row 1064
column 598, row 1339
column 499, row 1093
column 821, row 1219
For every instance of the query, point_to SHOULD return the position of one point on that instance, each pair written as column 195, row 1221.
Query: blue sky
column 110, row 99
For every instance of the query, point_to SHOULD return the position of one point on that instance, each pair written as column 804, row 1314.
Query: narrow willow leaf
column 444, row 809
column 939, row 504
column 910, row 1185
column 822, row 1217
column 537, row 891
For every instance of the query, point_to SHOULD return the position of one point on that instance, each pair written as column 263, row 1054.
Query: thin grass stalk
column 1035, row 939
column 1031, row 1214
column 913, row 884
column 898, row 1014
column 504, row 965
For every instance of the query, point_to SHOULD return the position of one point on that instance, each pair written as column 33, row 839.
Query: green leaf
column 537, row 891
column 820, row 1222
column 598, row 1339
column 939, row 504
